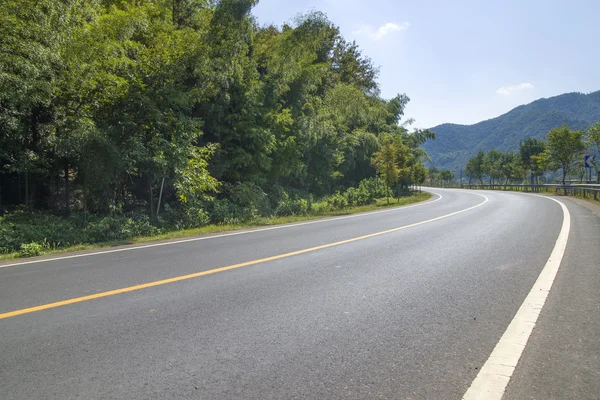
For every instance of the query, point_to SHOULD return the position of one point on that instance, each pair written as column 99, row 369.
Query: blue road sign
column 590, row 161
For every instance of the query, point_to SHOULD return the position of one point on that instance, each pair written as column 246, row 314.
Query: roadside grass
column 259, row 222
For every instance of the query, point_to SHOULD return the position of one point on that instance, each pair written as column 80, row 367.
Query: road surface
column 406, row 303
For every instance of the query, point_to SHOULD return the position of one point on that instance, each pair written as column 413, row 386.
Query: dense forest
column 456, row 143
column 169, row 114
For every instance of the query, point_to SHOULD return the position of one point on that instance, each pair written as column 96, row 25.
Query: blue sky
column 465, row 61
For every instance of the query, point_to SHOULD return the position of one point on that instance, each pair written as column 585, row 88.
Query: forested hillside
column 183, row 112
column 455, row 144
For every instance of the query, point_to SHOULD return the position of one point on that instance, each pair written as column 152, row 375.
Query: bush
column 289, row 206
column 320, row 207
column 191, row 215
column 226, row 212
column 30, row 233
column 32, row 249
column 251, row 198
column 119, row 228
column 399, row 190
column 195, row 217
column 373, row 187
column 21, row 227
column 337, row 201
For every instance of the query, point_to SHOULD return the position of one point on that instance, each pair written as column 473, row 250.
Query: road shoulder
column 593, row 206
column 562, row 357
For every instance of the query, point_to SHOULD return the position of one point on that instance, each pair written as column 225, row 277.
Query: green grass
column 379, row 204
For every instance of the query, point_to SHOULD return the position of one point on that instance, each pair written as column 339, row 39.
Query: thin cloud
column 383, row 31
column 508, row 90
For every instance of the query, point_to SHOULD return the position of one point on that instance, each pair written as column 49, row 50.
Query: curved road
column 405, row 303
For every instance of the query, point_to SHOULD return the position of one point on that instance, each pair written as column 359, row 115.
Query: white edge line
column 284, row 226
column 494, row 376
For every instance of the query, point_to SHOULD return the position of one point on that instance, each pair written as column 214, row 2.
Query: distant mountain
column 456, row 143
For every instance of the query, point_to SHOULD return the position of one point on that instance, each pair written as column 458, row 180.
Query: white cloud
column 382, row 31
column 508, row 90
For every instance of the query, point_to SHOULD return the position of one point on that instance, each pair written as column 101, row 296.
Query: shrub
column 32, row 249
column 289, row 206
column 251, row 198
column 226, row 212
column 371, row 186
column 190, row 215
column 320, row 207
column 195, row 217
column 337, row 201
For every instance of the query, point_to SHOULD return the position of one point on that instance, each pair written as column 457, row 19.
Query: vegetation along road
column 124, row 121
column 399, row 303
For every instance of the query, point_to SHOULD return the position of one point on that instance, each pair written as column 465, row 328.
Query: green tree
column 32, row 34
column 432, row 173
column 447, row 176
column 492, row 163
column 385, row 162
column 118, row 106
column 563, row 145
column 593, row 142
column 528, row 150
column 418, row 173
column 511, row 167
column 475, row 167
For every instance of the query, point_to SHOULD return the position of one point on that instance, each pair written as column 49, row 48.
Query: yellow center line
column 221, row 269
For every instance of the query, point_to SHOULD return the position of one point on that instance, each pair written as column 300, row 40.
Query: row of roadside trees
column 562, row 150
column 436, row 177
column 119, row 106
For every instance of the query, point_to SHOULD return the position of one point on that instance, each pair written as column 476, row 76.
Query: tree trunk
column 151, row 199
column 26, row 188
column 387, row 193
column 67, row 210
column 33, row 190
column 162, row 185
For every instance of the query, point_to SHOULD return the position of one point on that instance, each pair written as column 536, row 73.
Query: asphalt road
column 411, row 313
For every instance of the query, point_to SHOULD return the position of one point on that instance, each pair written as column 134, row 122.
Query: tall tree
column 447, row 176
column 475, row 167
column 593, row 142
column 528, row 150
column 386, row 164
column 492, row 163
column 432, row 173
column 511, row 167
column 563, row 145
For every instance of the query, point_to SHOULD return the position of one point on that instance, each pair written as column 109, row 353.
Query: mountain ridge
column 455, row 143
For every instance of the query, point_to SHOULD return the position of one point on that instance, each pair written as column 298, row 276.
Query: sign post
column 589, row 161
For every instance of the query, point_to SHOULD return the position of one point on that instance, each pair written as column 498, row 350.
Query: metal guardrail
column 592, row 191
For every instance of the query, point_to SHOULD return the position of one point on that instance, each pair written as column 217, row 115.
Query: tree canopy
column 117, row 105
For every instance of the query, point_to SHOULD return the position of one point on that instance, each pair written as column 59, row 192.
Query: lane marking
column 227, row 268
column 493, row 377
column 285, row 226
